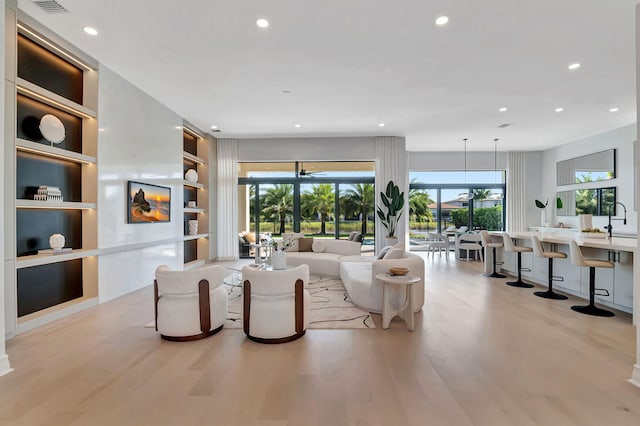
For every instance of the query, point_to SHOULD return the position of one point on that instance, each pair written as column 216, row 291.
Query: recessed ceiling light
column 297, row 126
column 381, row 125
column 503, row 109
column 614, row 110
column 91, row 31
column 262, row 23
column 214, row 127
column 178, row 127
column 574, row 66
column 286, row 92
column 559, row 109
column 442, row 20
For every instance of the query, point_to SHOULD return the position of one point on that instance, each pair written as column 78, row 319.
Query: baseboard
column 5, row 368
column 635, row 376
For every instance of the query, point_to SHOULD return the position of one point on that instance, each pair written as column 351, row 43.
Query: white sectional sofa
column 341, row 258
column 326, row 256
column 365, row 290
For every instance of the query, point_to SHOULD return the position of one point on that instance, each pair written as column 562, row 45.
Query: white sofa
column 326, row 256
column 365, row 290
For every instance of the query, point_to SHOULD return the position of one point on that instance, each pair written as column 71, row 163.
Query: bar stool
column 579, row 260
column 539, row 252
column 486, row 242
column 509, row 246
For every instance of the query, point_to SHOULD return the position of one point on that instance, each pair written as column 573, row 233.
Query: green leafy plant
column 393, row 201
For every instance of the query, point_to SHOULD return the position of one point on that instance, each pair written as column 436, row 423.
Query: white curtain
column 516, row 192
column 227, row 194
column 392, row 164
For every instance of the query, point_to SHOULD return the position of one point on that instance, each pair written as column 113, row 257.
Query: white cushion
column 384, row 251
column 343, row 247
column 318, row 246
column 319, row 263
column 395, row 253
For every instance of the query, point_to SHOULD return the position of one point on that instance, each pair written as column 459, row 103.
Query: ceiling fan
column 300, row 171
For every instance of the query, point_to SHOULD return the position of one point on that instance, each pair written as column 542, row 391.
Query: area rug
column 331, row 306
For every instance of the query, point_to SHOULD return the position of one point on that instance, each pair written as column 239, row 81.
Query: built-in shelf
column 52, row 151
column 191, row 157
column 195, row 237
column 70, row 205
column 38, row 93
column 44, row 316
column 45, row 259
column 193, row 210
column 193, row 184
column 194, row 264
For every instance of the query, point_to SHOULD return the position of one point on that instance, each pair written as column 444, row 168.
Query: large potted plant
column 393, row 203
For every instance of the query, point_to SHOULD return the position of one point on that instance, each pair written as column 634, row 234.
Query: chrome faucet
column 609, row 228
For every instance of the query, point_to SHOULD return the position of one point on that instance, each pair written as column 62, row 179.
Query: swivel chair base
column 494, row 275
column 550, row 294
column 519, row 283
column 593, row 310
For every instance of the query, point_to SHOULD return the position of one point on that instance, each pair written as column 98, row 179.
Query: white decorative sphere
column 56, row 241
column 52, row 128
column 191, row 175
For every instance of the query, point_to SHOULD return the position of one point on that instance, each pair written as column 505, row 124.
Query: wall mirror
column 595, row 201
column 588, row 168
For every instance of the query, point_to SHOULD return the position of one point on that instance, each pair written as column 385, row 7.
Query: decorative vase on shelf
column 279, row 259
column 543, row 217
column 191, row 175
column 56, row 241
column 193, row 227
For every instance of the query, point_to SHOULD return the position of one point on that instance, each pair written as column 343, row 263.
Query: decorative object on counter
column 191, row 204
column 56, row 241
column 48, row 193
column 191, row 175
column 543, row 213
column 585, row 221
column 592, row 233
column 278, row 255
column 193, row 227
column 52, row 128
column 393, row 201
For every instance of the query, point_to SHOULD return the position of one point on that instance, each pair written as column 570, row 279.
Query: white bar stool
column 487, row 243
column 509, row 246
column 592, row 264
column 539, row 252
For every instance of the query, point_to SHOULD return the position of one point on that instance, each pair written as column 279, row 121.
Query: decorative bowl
column 52, row 128
column 398, row 271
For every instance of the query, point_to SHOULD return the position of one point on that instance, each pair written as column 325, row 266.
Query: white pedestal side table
column 405, row 311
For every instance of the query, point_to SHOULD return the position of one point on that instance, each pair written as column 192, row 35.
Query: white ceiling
column 353, row 64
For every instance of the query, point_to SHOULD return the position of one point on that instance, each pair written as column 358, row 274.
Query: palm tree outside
column 278, row 203
column 319, row 201
column 360, row 199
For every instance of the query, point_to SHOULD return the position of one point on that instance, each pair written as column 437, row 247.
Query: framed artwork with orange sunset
column 148, row 203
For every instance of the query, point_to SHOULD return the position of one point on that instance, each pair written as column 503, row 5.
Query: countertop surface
column 615, row 243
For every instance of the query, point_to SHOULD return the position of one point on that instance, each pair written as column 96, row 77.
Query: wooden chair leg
column 246, row 311
column 299, row 306
column 205, row 306
column 155, row 301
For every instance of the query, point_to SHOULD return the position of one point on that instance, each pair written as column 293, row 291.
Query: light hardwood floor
column 483, row 353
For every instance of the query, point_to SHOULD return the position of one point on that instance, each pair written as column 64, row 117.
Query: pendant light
column 469, row 193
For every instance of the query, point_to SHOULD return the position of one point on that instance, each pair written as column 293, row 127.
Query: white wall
column 442, row 161
column 622, row 140
column 308, row 149
column 141, row 140
column 4, row 359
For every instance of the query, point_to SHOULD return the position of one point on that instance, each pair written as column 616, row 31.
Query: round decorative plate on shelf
column 191, row 175
column 52, row 128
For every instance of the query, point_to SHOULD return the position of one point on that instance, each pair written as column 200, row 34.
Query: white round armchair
column 276, row 305
column 189, row 305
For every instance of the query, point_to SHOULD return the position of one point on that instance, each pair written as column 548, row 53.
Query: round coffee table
column 405, row 311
